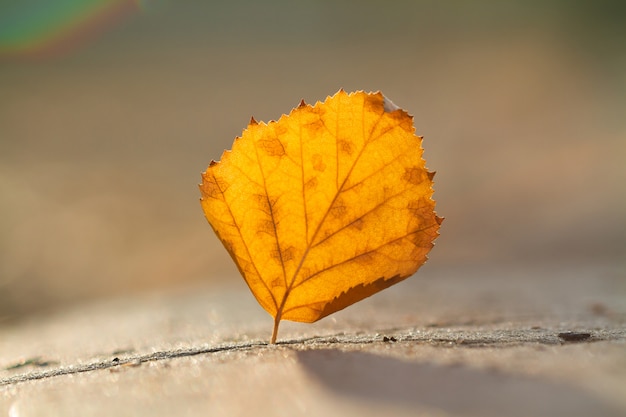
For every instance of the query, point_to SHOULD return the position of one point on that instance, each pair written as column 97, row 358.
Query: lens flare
column 42, row 29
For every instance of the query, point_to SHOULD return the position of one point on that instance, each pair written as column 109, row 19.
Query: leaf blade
column 324, row 207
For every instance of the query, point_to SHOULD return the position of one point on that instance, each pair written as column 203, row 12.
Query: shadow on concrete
column 458, row 390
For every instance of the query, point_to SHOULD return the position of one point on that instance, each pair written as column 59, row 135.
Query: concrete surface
column 471, row 341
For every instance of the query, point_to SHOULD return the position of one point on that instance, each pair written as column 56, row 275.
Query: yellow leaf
column 324, row 207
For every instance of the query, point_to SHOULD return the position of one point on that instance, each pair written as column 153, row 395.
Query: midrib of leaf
column 291, row 284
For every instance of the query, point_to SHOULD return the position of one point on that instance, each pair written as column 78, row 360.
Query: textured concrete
column 508, row 341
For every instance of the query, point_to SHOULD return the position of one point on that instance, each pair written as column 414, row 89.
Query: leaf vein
column 360, row 217
column 317, row 273
column 271, row 213
column 293, row 284
column 245, row 244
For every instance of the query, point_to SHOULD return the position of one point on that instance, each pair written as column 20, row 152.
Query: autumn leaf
column 327, row 206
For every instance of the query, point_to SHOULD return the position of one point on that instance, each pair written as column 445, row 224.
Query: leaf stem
column 275, row 332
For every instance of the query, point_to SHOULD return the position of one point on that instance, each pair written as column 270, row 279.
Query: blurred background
column 111, row 109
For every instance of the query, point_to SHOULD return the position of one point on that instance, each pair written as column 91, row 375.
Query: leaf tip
column 253, row 122
column 431, row 174
column 302, row 104
column 389, row 105
column 439, row 220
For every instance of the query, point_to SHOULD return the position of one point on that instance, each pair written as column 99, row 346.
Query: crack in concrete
column 475, row 338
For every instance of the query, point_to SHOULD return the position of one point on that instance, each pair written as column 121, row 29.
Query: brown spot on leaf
column 358, row 224
column 273, row 147
column 280, row 130
column 277, row 282
column 339, row 209
column 262, row 203
column 288, row 253
column 413, row 175
column 346, row 147
column 275, row 254
column 315, row 127
column 418, row 208
column 374, row 103
column 414, row 205
column 318, row 163
column 212, row 186
column 266, row 226
column 310, row 184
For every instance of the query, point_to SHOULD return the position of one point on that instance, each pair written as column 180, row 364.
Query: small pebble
column 574, row 336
